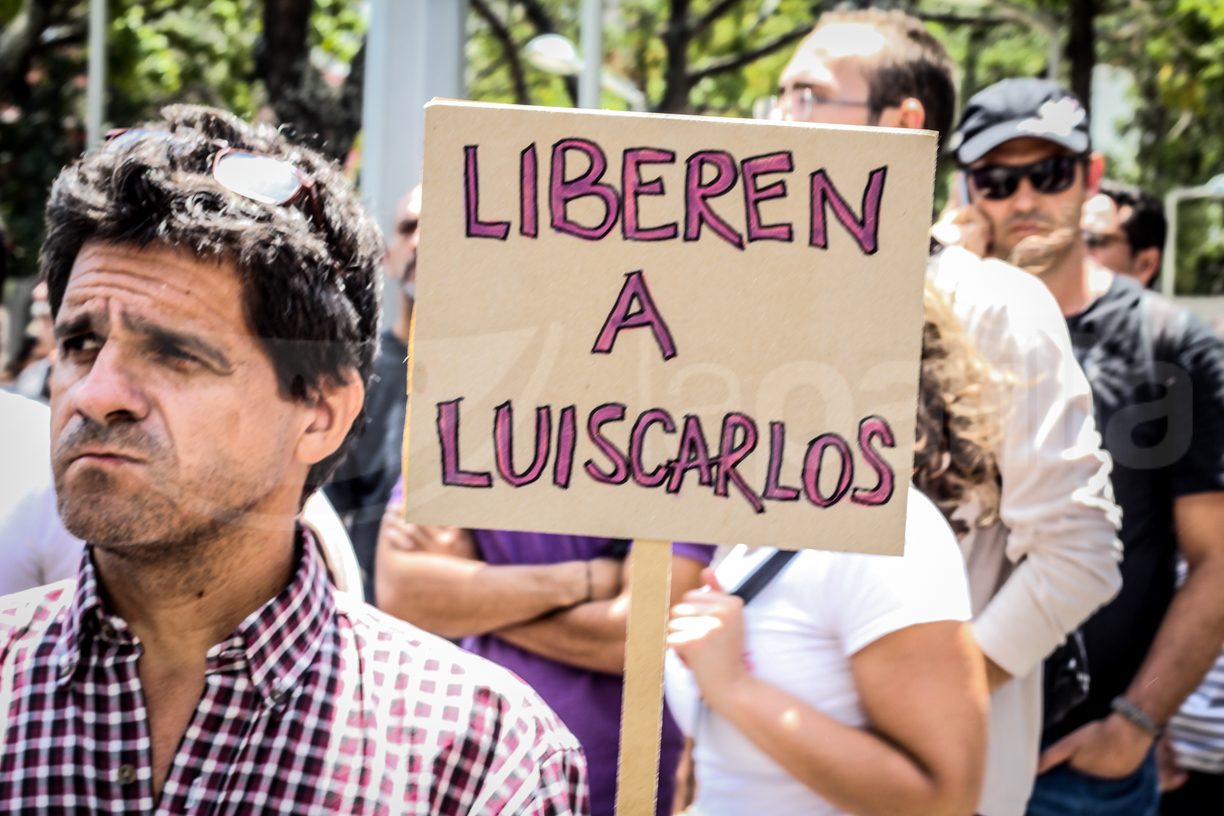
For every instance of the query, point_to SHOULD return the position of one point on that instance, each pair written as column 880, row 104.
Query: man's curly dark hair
column 311, row 295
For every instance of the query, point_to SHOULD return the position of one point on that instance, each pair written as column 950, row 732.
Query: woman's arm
column 923, row 689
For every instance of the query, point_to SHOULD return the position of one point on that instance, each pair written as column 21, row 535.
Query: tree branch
column 950, row 18
column 502, row 34
column 324, row 116
column 731, row 63
column 675, row 76
column 19, row 38
column 713, row 13
column 538, row 16
column 70, row 37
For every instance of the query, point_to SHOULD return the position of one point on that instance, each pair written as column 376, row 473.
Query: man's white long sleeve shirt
column 1052, row 560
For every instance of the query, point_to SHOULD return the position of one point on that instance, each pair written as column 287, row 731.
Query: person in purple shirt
column 551, row 608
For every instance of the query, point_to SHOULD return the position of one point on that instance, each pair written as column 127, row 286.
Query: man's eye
column 177, row 353
column 82, row 343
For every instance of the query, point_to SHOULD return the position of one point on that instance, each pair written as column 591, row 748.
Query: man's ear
column 330, row 415
column 1145, row 264
column 909, row 114
column 913, row 114
column 1096, row 172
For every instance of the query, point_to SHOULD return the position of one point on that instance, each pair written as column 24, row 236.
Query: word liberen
column 709, row 174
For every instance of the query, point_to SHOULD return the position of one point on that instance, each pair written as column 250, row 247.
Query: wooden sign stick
column 408, row 409
column 642, row 707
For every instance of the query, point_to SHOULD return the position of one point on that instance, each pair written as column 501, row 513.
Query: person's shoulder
column 15, row 408
column 446, row 680
column 27, row 614
column 1189, row 335
column 927, row 532
column 992, row 288
column 929, row 544
column 25, row 442
column 392, row 354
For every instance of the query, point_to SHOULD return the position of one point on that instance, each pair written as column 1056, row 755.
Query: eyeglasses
column 1101, row 240
column 252, row 175
column 1048, row 176
column 797, row 105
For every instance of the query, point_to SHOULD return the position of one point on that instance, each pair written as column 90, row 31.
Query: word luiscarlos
column 738, row 439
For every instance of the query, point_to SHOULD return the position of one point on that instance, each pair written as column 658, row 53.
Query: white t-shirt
column 800, row 633
column 35, row 549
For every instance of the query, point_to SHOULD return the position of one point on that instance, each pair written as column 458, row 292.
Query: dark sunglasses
column 1101, row 240
column 1048, row 176
column 252, row 175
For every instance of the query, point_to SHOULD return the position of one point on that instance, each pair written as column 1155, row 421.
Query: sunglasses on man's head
column 1048, row 176
column 252, row 175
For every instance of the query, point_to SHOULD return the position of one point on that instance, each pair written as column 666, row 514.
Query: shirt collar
column 278, row 642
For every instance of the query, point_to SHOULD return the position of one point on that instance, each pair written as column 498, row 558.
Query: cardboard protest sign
column 667, row 327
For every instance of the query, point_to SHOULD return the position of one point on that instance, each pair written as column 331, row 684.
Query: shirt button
column 277, row 696
column 108, row 630
column 66, row 668
column 126, row 775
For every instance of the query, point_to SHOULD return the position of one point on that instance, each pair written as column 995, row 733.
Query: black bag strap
column 751, row 586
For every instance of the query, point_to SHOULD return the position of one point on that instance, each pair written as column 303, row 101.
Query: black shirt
column 1157, row 377
column 362, row 484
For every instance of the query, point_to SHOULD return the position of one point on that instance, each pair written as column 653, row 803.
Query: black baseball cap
column 1018, row 108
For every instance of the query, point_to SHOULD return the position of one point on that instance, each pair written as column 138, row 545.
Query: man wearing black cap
column 1157, row 376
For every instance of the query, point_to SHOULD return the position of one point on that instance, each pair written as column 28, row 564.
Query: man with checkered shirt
column 215, row 292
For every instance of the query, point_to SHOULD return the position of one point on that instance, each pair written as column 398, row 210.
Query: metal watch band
column 1136, row 716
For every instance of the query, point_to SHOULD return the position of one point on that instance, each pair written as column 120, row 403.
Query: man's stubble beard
column 157, row 522
column 1042, row 253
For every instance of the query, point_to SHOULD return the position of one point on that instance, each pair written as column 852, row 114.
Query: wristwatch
column 1136, row 716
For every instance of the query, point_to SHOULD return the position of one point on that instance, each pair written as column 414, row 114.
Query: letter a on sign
column 646, row 315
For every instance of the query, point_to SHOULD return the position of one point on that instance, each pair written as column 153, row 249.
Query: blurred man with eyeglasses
column 362, row 484
column 1125, row 228
column 1052, row 559
column 216, row 297
column 1157, row 376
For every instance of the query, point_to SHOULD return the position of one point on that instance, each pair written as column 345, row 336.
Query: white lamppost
column 1168, row 268
column 95, row 87
column 558, row 55
column 591, row 32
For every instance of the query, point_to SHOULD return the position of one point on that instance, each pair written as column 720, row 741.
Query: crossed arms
column 573, row 612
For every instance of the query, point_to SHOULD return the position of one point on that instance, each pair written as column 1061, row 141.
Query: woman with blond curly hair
column 862, row 690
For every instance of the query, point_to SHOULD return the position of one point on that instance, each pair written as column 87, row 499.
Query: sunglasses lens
column 261, row 178
column 123, row 139
column 764, row 107
column 1053, row 175
column 1048, row 176
column 995, row 183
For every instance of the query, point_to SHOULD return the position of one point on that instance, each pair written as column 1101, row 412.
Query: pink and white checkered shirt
column 315, row 704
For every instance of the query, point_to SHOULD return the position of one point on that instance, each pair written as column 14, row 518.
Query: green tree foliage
column 1176, row 50
column 159, row 52
column 713, row 57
